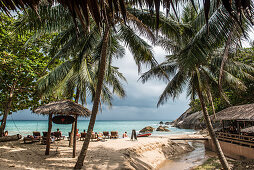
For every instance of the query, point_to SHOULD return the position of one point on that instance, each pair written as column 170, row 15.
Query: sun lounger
column 58, row 135
column 44, row 138
column 106, row 134
column 114, row 134
column 83, row 136
column 28, row 139
column 37, row 136
column 94, row 137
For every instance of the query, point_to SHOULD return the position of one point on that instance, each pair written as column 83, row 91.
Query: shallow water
column 189, row 160
column 27, row 127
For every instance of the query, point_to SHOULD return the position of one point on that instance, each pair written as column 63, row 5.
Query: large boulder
column 162, row 128
column 191, row 120
column 161, row 122
column 167, row 123
column 147, row 129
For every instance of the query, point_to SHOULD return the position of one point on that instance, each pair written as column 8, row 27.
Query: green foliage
column 21, row 63
column 211, row 163
column 236, row 97
column 219, row 104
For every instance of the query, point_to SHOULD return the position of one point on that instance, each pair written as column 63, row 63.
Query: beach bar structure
column 236, row 136
column 64, row 107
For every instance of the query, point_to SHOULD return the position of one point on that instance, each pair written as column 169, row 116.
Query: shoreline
column 146, row 153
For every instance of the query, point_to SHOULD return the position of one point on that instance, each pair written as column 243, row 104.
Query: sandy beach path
column 146, row 153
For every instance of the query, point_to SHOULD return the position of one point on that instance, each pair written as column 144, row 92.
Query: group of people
column 100, row 134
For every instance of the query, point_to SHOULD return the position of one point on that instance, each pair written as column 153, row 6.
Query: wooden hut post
column 72, row 134
column 48, row 135
column 238, row 127
column 223, row 125
column 74, row 138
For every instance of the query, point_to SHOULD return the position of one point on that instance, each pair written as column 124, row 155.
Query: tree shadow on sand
column 24, row 156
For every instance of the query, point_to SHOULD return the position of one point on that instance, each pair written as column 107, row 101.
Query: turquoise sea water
column 26, row 127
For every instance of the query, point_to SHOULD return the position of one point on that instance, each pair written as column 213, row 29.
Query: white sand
column 146, row 153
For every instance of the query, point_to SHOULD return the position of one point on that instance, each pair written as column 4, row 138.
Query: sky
column 140, row 102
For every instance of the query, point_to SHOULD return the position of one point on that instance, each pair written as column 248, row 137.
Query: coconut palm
column 83, row 45
column 105, row 12
column 191, row 62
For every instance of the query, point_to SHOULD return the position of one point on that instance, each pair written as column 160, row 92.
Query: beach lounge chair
column 37, row 136
column 106, row 134
column 83, row 136
column 58, row 135
column 101, row 137
column 114, row 134
column 94, row 137
column 44, row 138
column 28, row 139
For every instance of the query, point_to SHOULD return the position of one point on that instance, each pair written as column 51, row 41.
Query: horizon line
column 88, row 120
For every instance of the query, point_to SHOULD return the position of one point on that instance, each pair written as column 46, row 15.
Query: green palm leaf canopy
column 107, row 10
column 64, row 107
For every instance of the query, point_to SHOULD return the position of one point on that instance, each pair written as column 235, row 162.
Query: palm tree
column 121, row 32
column 191, row 61
column 105, row 12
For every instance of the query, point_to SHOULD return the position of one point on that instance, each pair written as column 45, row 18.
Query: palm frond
column 174, row 87
column 142, row 52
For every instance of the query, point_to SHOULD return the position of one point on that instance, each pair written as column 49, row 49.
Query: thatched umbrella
column 64, row 107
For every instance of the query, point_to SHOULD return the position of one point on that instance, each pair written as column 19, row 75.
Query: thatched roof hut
column 242, row 112
column 64, row 107
column 248, row 130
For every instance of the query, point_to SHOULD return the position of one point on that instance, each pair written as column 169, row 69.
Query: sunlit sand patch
column 60, row 159
column 11, row 149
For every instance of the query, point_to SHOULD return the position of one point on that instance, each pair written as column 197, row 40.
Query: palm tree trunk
column 210, row 98
column 101, row 75
column 215, row 141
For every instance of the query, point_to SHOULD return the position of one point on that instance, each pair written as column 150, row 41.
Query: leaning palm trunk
column 215, row 141
column 101, row 74
column 210, row 99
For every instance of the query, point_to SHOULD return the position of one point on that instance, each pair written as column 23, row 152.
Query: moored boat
column 144, row 135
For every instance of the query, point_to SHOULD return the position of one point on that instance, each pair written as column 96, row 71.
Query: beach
column 145, row 153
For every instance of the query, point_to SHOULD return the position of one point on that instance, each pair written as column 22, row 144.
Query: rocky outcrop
column 191, row 120
column 163, row 128
column 167, row 123
column 147, row 129
column 161, row 122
